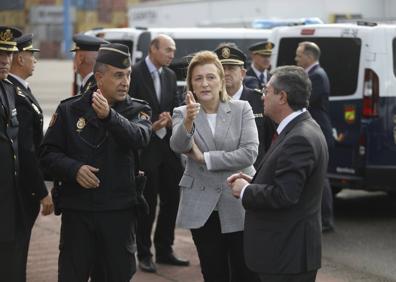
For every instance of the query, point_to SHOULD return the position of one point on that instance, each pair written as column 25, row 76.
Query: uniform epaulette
column 19, row 92
column 140, row 101
column 6, row 80
column 258, row 92
column 72, row 98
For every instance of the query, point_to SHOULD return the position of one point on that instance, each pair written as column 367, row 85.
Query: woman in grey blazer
column 219, row 137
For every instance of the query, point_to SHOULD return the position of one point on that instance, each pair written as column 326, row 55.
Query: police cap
column 7, row 38
column 87, row 43
column 114, row 54
column 25, row 43
column 262, row 48
column 230, row 55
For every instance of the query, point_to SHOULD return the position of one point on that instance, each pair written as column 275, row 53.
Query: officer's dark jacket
column 265, row 126
column 76, row 137
column 10, row 198
column 30, row 135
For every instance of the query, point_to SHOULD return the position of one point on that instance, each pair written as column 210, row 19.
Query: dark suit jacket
column 30, row 135
column 265, row 125
column 142, row 87
column 319, row 102
column 282, row 223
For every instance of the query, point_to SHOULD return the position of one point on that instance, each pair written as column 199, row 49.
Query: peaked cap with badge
column 114, row 54
column 262, row 48
column 8, row 36
column 87, row 43
column 25, row 43
column 230, row 55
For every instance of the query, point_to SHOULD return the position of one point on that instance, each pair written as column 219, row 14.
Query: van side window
column 394, row 55
column 339, row 57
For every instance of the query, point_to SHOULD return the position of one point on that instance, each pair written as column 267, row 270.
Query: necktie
column 261, row 77
column 157, row 83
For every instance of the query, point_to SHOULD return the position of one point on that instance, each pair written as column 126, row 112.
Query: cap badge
column 6, row 35
column 268, row 46
column 81, row 124
column 126, row 62
column 225, row 52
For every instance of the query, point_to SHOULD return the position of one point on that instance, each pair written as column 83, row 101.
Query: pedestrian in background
column 260, row 53
column 89, row 150
column 282, row 201
column 219, row 137
column 307, row 57
column 30, row 117
column 155, row 83
column 233, row 61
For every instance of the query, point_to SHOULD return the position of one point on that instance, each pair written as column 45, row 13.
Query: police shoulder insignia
column 53, row 119
column 143, row 116
column 81, row 123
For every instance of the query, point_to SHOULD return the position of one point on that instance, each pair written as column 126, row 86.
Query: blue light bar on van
column 271, row 23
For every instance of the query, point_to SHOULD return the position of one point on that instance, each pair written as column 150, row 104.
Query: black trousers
column 13, row 254
column 221, row 255
column 86, row 236
column 300, row 277
column 163, row 181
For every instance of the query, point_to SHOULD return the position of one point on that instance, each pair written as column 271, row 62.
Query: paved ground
column 43, row 256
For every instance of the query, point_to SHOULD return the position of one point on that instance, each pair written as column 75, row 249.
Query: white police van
column 360, row 60
column 188, row 41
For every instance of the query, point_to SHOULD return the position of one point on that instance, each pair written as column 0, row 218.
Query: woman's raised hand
column 192, row 110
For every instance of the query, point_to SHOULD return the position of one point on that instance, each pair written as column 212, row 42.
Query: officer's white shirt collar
column 238, row 94
column 22, row 81
column 88, row 76
column 288, row 119
column 311, row 67
column 151, row 67
column 257, row 72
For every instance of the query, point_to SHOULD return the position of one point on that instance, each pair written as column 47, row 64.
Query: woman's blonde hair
column 203, row 58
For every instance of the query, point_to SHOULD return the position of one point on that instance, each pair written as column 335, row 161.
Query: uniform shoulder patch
column 53, row 119
column 143, row 116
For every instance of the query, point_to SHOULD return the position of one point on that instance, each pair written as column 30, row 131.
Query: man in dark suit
column 233, row 60
column 154, row 82
column 86, row 50
column 30, row 118
column 307, row 57
column 282, row 201
column 260, row 54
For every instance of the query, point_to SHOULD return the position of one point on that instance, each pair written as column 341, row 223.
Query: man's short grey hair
column 100, row 67
column 295, row 82
column 311, row 49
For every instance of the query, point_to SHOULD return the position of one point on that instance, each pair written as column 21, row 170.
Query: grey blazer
column 233, row 148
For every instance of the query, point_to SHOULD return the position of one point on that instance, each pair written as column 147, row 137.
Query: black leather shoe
column 147, row 265
column 171, row 259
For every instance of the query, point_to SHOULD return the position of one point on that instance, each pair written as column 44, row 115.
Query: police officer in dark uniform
column 233, row 61
column 86, row 50
column 90, row 150
column 260, row 54
column 30, row 118
column 12, row 220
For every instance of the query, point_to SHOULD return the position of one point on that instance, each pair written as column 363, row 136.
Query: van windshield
column 186, row 47
column 339, row 57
